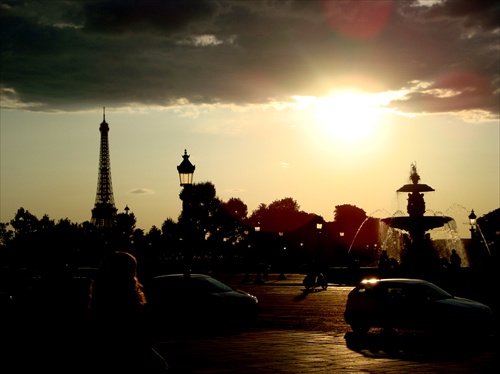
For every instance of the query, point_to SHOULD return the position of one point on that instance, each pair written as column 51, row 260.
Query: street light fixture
column 472, row 218
column 258, row 277
column 472, row 221
column 246, row 256
column 282, row 265
column 319, row 226
column 186, row 171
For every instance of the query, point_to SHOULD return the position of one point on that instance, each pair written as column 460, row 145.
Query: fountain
column 418, row 253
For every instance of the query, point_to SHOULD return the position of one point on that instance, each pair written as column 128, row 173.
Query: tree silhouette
column 197, row 220
column 211, row 229
column 350, row 216
column 199, row 205
column 283, row 225
column 230, row 221
column 283, row 215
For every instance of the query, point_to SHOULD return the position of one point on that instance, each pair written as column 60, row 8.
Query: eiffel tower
column 104, row 212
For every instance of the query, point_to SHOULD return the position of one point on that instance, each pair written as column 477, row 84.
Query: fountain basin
column 416, row 188
column 423, row 223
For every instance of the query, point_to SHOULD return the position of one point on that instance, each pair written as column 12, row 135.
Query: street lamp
column 319, row 226
column 472, row 221
column 282, row 262
column 186, row 171
column 258, row 277
column 246, row 256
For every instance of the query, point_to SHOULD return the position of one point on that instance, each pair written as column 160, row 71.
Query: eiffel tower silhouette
column 104, row 212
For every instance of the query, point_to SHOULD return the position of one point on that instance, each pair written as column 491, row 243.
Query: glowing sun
column 348, row 116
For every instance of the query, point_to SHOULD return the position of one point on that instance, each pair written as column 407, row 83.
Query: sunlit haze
column 270, row 100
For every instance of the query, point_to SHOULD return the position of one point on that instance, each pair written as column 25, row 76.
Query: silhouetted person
column 455, row 260
column 265, row 273
column 120, row 324
column 444, row 263
column 258, row 279
column 383, row 262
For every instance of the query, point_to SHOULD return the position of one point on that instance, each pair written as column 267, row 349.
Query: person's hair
column 116, row 287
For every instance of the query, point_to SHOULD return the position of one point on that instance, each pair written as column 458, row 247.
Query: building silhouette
column 104, row 212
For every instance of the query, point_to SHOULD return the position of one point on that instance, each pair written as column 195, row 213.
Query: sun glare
column 348, row 116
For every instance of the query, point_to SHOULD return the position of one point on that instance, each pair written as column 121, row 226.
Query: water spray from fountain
column 484, row 239
column 360, row 226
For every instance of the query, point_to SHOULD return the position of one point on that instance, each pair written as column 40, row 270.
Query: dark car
column 413, row 304
column 198, row 301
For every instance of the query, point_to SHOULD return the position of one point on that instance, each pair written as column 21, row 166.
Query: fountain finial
column 414, row 177
column 415, row 186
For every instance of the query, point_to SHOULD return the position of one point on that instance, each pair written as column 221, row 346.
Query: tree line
column 209, row 235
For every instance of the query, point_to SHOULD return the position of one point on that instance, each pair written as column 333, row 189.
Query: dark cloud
column 482, row 14
column 146, row 15
column 455, row 91
column 80, row 54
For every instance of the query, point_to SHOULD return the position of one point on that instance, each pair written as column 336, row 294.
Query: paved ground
column 270, row 350
column 279, row 351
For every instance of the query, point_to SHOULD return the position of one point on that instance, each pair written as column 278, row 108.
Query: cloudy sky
column 327, row 102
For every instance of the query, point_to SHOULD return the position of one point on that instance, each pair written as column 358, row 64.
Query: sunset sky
column 326, row 102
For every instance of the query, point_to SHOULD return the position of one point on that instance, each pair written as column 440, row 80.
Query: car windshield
column 211, row 285
column 436, row 293
column 398, row 290
column 415, row 292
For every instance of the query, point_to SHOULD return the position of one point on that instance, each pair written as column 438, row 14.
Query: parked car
column 413, row 304
column 198, row 301
column 52, row 295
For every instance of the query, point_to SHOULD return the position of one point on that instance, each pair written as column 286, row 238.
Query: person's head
column 116, row 285
column 119, row 265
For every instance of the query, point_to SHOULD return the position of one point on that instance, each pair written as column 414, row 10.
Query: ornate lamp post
column 319, row 226
column 472, row 248
column 472, row 221
column 258, row 277
column 186, row 171
column 282, row 253
column 246, row 255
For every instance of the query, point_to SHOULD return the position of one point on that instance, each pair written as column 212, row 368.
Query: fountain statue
column 418, row 252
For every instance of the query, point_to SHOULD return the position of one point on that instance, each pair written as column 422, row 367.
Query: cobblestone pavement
column 279, row 351
column 263, row 350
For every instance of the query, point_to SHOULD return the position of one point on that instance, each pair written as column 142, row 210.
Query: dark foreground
column 304, row 332
column 297, row 332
